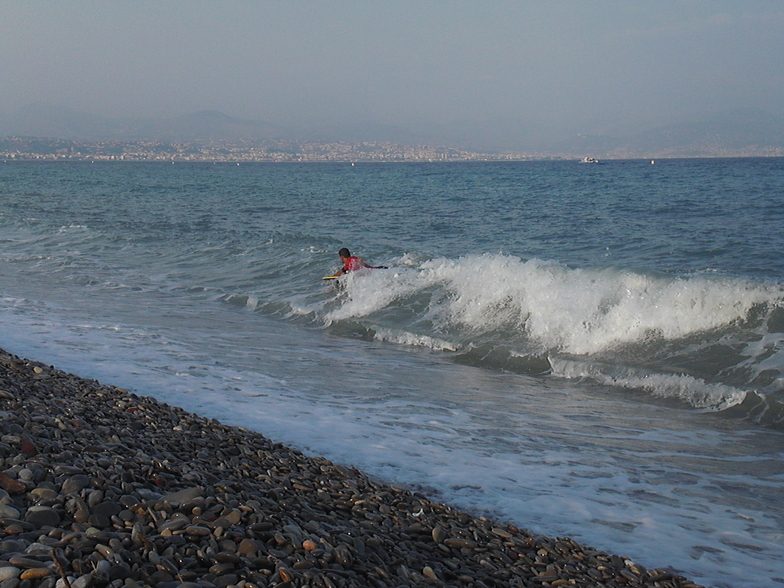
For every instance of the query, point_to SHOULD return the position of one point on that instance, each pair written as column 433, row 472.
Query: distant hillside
column 212, row 125
column 746, row 132
column 743, row 132
column 64, row 123
column 736, row 131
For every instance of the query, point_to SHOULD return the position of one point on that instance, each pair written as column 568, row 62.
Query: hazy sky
column 393, row 61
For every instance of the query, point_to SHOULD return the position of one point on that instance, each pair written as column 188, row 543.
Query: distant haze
column 451, row 69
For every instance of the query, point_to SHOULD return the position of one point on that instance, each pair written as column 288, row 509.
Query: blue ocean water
column 586, row 350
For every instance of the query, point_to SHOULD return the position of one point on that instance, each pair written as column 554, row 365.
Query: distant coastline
column 56, row 133
column 30, row 148
column 237, row 151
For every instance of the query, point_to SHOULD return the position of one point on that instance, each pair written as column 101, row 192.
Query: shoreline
column 102, row 487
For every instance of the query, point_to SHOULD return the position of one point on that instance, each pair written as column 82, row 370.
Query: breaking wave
column 705, row 340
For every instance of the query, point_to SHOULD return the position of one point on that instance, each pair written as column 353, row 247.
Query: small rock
column 75, row 484
column 249, row 546
column 438, row 534
column 343, row 556
column 107, row 509
column 8, row 512
column 35, row 573
column 460, row 543
column 44, row 494
column 183, row 495
column 173, row 525
column 10, row 485
column 428, row 572
column 83, row 581
column 27, row 447
column 234, row 517
column 8, row 572
column 26, row 562
column 42, row 516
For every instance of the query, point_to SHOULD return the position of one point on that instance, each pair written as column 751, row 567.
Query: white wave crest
column 414, row 339
column 366, row 292
column 696, row 392
column 585, row 311
column 547, row 305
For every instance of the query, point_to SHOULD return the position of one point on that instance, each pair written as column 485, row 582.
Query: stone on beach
column 111, row 489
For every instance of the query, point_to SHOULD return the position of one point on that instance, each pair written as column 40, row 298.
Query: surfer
column 352, row 263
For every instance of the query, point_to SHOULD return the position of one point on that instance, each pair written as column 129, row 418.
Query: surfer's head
column 344, row 253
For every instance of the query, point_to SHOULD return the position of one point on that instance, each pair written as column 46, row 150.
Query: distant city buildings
column 22, row 148
column 279, row 150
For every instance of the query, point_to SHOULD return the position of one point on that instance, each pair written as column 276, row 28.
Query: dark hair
column 344, row 253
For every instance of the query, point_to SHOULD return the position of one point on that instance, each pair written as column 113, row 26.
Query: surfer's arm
column 372, row 266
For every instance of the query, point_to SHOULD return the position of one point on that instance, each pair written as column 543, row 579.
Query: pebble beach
column 103, row 487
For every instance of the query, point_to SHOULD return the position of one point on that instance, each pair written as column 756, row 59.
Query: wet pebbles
column 100, row 487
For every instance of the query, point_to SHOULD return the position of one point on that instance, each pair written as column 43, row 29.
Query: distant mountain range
column 746, row 132
column 64, row 123
column 742, row 132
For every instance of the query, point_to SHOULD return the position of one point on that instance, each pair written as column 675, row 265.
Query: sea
column 584, row 350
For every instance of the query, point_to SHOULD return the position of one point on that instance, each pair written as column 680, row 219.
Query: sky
column 591, row 64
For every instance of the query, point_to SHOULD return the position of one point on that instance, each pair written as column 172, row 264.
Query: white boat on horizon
column 589, row 160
